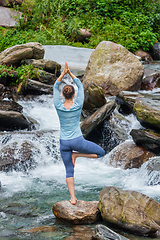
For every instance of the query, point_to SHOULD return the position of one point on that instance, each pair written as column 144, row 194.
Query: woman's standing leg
column 66, row 154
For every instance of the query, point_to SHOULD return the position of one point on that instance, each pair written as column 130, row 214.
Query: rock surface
column 46, row 78
column 82, row 213
column 6, row 105
column 144, row 55
column 151, row 81
column 7, row 17
column 39, row 229
column 97, row 117
column 156, row 51
column 93, row 98
column 47, row 65
column 31, row 49
column 34, row 87
column 12, row 120
column 114, row 68
column 148, row 112
column 130, row 210
column 104, row 233
column 147, row 139
column 16, row 153
column 8, row 76
column 128, row 155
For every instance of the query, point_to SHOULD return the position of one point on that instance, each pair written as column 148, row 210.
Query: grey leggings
column 80, row 145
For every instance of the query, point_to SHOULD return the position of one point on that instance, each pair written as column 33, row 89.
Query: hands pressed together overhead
column 65, row 71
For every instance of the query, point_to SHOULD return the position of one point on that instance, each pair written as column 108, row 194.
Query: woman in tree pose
column 72, row 143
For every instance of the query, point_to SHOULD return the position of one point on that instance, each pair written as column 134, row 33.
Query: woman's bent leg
column 86, row 149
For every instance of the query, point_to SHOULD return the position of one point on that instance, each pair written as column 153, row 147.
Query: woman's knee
column 101, row 153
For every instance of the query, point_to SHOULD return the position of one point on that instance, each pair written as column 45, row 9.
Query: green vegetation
column 24, row 72
column 135, row 24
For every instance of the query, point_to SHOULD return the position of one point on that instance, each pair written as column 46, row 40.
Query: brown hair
column 68, row 91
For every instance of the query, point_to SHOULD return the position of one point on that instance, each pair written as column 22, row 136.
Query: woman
column 72, row 143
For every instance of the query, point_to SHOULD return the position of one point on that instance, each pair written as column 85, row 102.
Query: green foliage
column 5, row 71
column 133, row 24
column 24, row 72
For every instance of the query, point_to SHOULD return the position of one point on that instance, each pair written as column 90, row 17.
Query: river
column 28, row 193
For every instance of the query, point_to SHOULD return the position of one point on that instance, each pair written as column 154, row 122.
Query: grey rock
column 130, row 210
column 12, row 120
column 147, row 139
column 114, row 68
column 97, row 117
column 7, row 17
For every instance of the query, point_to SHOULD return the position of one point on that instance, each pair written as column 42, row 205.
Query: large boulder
column 114, row 68
column 151, row 81
column 14, row 55
column 83, row 212
column 128, row 155
column 147, row 139
column 130, row 210
column 12, row 120
column 34, row 87
column 47, row 65
column 97, row 117
column 148, row 112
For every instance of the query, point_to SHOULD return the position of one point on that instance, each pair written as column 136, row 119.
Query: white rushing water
column 89, row 173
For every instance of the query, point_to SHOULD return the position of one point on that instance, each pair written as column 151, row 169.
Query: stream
column 29, row 191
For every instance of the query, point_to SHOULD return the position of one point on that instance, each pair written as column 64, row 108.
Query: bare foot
column 73, row 201
column 74, row 156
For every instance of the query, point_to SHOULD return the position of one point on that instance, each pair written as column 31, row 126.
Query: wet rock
column 10, row 106
column 114, row 68
column 12, row 120
column 128, row 155
column 15, row 155
column 8, row 16
column 13, row 55
column 153, row 171
column 8, row 77
column 83, row 212
column 144, row 55
column 47, row 65
column 126, row 100
column 104, row 233
column 147, row 139
column 119, row 126
column 150, row 82
column 46, row 78
column 39, row 229
column 34, row 87
column 97, row 117
column 130, row 210
column 93, row 99
column 148, row 112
